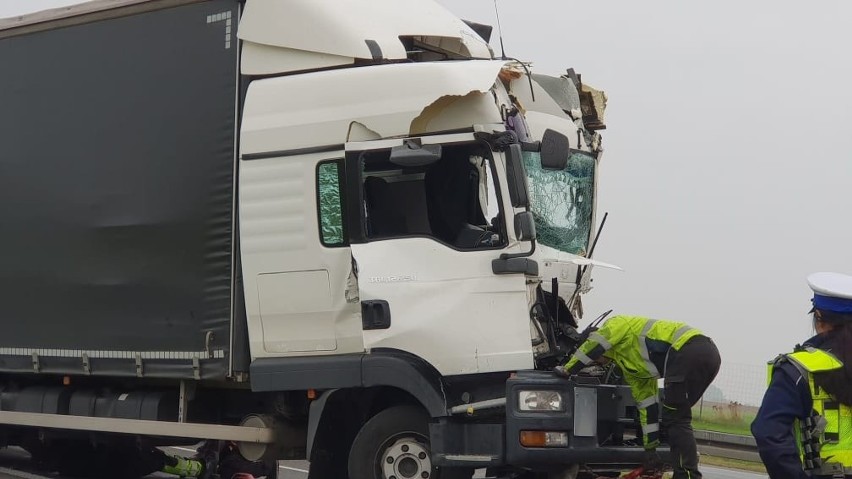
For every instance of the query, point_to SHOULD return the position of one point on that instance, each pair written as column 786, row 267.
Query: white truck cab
column 414, row 240
column 340, row 231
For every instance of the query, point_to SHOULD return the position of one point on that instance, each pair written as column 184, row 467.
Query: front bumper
column 596, row 424
column 595, row 419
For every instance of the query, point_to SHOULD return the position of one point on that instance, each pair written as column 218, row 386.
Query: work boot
column 208, row 454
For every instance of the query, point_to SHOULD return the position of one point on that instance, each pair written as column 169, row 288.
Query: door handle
column 375, row 314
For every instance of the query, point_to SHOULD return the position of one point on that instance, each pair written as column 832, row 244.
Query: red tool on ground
column 638, row 473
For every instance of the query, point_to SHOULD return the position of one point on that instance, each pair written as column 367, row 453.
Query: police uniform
column 646, row 350
column 800, row 430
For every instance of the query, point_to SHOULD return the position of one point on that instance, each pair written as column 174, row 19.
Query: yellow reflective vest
column 630, row 342
column 825, row 438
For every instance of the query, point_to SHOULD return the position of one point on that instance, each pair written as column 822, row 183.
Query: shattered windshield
column 562, row 201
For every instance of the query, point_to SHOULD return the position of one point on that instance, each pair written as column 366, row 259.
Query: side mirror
column 517, row 177
column 525, row 226
column 410, row 154
column 555, row 150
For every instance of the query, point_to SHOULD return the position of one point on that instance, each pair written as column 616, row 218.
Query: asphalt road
column 14, row 465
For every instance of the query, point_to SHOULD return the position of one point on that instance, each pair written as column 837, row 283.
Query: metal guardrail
column 729, row 446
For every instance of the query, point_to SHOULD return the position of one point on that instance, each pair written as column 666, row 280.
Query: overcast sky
column 727, row 172
column 727, row 169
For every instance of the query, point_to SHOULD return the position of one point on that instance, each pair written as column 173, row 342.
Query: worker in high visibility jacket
column 202, row 465
column 212, row 459
column 804, row 425
column 646, row 350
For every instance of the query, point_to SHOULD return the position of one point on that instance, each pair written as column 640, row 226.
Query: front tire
column 394, row 444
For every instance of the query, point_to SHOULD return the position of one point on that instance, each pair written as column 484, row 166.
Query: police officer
column 646, row 350
column 804, row 426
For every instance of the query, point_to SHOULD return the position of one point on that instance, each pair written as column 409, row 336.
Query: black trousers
column 688, row 373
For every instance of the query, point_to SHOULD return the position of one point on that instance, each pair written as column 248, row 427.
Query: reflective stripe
column 598, row 338
column 680, row 332
column 647, row 328
column 649, row 428
column 581, row 356
column 643, row 348
column 648, row 402
column 816, row 361
column 98, row 354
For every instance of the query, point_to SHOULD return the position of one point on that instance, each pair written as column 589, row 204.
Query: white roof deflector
column 361, row 29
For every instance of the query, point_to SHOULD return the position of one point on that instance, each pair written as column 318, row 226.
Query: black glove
column 562, row 372
column 651, row 462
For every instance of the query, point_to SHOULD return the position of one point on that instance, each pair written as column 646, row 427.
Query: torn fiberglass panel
column 562, row 201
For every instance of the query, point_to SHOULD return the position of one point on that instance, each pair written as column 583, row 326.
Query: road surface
column 14, row 465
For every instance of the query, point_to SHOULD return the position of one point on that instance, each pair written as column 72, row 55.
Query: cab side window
column 330, row 203
column 453, row 200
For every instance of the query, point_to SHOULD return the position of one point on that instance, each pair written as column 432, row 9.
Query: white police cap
column 832, row 291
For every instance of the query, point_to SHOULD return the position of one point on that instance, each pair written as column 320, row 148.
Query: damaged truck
column 345, row 232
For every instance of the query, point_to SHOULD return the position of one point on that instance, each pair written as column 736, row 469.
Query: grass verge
column 740, row 428
column 732, row 463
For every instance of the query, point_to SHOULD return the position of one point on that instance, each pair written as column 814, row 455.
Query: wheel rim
column 406, row 458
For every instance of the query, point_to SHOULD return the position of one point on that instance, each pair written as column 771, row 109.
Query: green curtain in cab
column 331, row 214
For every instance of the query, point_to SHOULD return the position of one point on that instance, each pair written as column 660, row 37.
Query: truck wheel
column 394, row 444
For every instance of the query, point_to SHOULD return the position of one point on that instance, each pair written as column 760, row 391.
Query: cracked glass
column 562, row 201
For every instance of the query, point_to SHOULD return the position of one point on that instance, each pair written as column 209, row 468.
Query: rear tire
column 395, row 443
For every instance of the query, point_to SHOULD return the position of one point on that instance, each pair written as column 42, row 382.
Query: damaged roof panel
column 300, row 111
column 539, row 122
column 561, row 89
column 543, row 101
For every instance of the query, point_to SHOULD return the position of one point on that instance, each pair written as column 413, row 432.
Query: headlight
column 540, row 401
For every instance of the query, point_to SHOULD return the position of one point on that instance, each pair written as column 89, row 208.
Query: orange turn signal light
column 544, row 439
column 533, row 438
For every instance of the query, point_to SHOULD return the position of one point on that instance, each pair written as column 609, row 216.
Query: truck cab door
column 301, row 294
column 424, row 236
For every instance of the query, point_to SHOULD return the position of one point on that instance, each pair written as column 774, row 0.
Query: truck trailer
column 346, row 232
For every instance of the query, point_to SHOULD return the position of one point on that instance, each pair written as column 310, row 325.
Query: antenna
column 503, row 51
column 499, row 31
